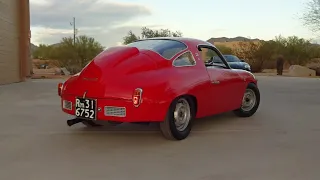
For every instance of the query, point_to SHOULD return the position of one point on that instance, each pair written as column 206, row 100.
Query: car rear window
column 165, row 47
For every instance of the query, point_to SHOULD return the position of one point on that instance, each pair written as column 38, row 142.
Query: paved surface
column 282, row 140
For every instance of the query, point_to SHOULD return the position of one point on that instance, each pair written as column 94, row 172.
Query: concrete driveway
column 281, row 141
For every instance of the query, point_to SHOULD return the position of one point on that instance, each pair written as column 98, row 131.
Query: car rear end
column 112, row 88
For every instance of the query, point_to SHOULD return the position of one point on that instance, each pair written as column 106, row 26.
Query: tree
column 311, row 16
column 69, row 55
column 130, row 38
column 75, row 57
column 224, row 49
column 294, row 49
column 43, row 52
column 149, row 33
column 251, row 52
column 263, row 54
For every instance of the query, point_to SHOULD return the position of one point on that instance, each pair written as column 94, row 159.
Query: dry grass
column 233, row 44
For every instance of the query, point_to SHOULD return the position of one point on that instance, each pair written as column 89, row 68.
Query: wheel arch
column 190, row 98
column 252, row 82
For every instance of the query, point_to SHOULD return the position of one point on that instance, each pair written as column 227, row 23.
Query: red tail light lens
column 60, row 86
column 137, row 97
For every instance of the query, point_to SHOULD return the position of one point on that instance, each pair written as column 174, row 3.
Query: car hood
column 237, row 64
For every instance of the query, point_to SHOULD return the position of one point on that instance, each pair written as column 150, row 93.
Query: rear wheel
column 250, row 101
column 178, row 122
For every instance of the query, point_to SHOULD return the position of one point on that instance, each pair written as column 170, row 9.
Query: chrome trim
column 84, row 94
column 215, row 82
column 180, row 56
column 69, row 107
column 249, row 100
column 209, row 44
column 182, row 114
column 140, row 100
column 121, row 111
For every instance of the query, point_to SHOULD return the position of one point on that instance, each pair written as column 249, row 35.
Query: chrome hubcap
column 249, row 100
column 182, row 115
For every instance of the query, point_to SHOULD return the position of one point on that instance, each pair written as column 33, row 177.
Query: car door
column 225, row 81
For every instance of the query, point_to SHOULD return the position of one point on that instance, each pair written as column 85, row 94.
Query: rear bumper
column 148, row 111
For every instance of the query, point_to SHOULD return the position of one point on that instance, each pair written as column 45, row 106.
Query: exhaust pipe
column 73, row 121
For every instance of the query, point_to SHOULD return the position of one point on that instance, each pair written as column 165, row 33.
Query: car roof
column 181, row 39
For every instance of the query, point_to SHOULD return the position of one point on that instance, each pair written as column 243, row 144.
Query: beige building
column 14, row 41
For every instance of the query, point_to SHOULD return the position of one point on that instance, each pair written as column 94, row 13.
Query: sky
column 108, row 21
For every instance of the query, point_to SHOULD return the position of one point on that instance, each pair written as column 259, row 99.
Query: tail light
column 137, row 97
column 60, row 86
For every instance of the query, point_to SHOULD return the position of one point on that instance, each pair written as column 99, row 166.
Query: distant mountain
column 225, row 39
column 55, row 45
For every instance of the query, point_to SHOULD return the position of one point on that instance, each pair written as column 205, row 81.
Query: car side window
column 169, row 53
column 211, row 57
column 186, row 59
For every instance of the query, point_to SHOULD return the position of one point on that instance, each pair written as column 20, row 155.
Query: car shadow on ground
column 200, row 125
column 132, row 136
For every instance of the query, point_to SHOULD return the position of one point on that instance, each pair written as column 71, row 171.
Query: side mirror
column 243, row 60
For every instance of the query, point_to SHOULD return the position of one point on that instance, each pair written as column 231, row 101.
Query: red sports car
column 172, row 81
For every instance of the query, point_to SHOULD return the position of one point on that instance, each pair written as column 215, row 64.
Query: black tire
column 243, row 112
column 168, row 127
column 90, row 123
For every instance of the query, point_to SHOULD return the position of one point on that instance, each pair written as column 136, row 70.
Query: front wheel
column 250, row 101
column 178, row 122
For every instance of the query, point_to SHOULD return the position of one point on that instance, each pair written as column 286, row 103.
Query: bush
column 224, row 49
column 262, row 54
column 69, row 55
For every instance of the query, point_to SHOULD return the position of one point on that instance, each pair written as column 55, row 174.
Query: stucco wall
column 9, row 42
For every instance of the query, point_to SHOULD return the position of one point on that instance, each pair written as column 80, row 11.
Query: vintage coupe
column 172, row 81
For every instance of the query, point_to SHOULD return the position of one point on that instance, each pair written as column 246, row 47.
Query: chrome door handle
column 215, row 82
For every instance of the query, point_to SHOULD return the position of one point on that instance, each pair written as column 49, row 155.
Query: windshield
column 231, row 58
column 165, row 47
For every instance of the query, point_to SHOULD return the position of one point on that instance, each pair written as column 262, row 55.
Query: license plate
column 86, row 108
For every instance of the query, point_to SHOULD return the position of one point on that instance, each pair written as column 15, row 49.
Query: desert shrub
column 262, row 55
column 224, row 49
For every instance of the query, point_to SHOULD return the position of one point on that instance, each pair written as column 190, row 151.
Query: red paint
column 60, row 86
column 114, row 75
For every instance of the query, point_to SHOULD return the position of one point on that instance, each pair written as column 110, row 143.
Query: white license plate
column 86, row 108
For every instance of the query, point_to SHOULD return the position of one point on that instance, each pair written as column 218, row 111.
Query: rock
column 301, row 71
column 317, row 69
column 65, row 71
column 315, row 65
